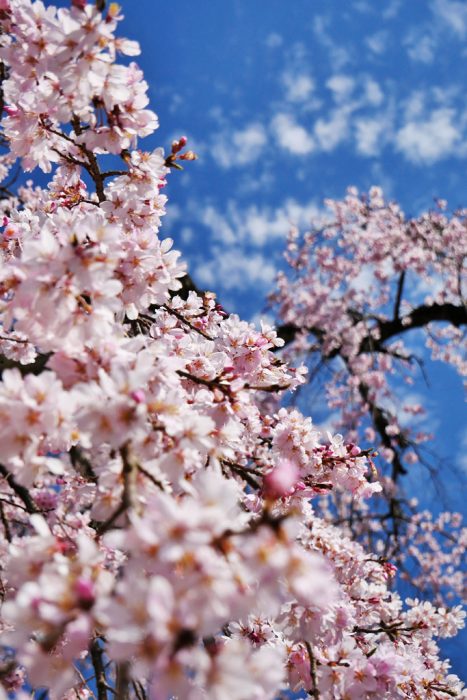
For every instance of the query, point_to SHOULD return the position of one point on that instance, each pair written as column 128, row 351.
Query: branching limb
column 128, row 466
column 97, row 654
column 21, row 491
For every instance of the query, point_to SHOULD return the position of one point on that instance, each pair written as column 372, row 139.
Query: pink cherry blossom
column 163, row 528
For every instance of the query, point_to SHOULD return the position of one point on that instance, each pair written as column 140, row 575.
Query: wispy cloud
column 332, row 131
column 453, row 14
column 298, row 88
column 341, row 86
column 291, row 136
column 427, row 140
column 338, row 54
column 377, row 43
column 273, row 40
column 246, row 243
column 253, row 225
column 420, row 47
column 461, row 458
column 315, row 115
column 238, row 148
column 235, row 268
column 371, row 134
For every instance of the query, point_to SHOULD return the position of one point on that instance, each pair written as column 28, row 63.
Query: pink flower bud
column 353, row 450
column 281, row 480
column 389, row 569
column 84, row 589
column 189, row 155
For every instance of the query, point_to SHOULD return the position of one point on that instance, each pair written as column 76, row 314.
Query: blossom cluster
column 363, row 290
column 361, row 281
column 157, row 538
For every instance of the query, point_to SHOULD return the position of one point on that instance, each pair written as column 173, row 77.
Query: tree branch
column 21, row 491
column 400, row 287
column 422, row 316
column 417, row 318
column 96, row 656
column 381, row 423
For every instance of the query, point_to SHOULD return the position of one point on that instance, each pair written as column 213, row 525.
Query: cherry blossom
column 160, row 534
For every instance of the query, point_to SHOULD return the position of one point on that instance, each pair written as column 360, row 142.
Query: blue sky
column 289, row 102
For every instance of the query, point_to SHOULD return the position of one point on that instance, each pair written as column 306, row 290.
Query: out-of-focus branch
column 99, row 671
column 381, row 422
column 417, row 318
column 400, row 288
column 21, row 491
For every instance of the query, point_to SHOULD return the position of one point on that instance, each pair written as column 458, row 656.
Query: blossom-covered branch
column 158, row 535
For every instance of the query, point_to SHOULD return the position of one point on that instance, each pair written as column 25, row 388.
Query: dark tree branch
column 81, row 463
column 21, row 491
column 125, row 503
column 188, row 285
column 314, row 691
column 400, row 287
column 97, row 653
column 6, row 526
column 35, row 367
column 122, row 683
column 381, row 422
column 420, row 317
column 417, row 318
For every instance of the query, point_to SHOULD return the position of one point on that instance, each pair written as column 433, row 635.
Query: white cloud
column 274, row 40
column 257, row 226
column 377, row 43
column 338, row 55
column 341, row 86
column 371, row 134
column 261, row 225
column 218, row 224
column 392, row 10
column 329, row 134
column 291, row 136
column 364, row 281
column 429, row 140
column 453, row 13
column 239, row 147
column 235, row 268
column 373, row 93
column 415, row 105
column 174, row 214
column 363, row 6
column 298, row 87
column 462, row 453
column 187, row 234
column 421, row 48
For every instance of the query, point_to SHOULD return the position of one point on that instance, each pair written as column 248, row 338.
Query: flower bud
column 281, row 480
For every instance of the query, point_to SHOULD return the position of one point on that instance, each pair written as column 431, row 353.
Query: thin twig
column 97, row 653
column 313, row 692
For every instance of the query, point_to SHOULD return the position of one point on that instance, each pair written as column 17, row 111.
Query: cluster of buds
column 176, row 154
column 100, row 6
